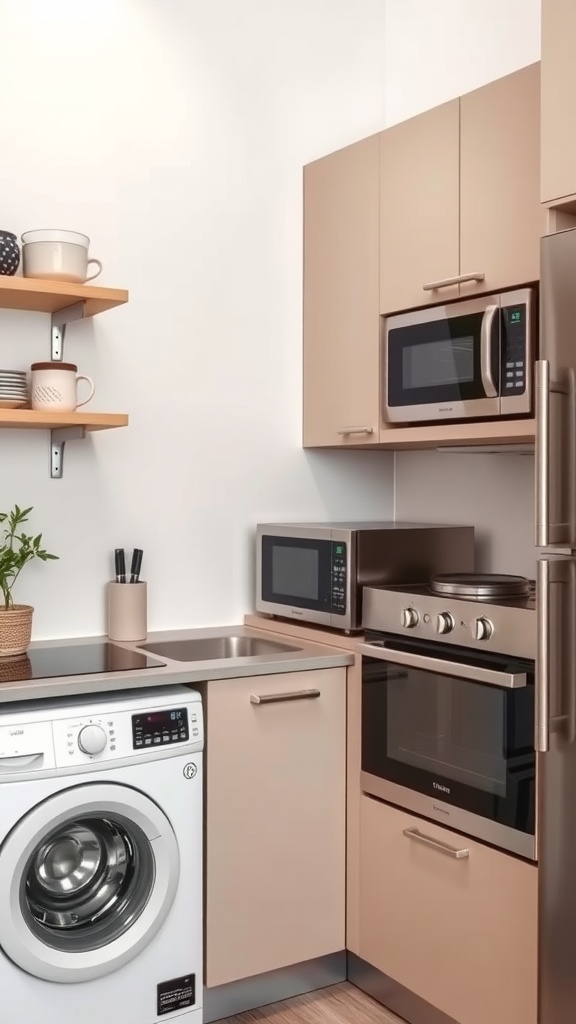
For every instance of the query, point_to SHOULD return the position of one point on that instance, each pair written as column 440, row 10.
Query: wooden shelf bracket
column 58, row 439
column 60, row 318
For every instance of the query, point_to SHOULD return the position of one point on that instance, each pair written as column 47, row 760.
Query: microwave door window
column 297, row 572
column 437, row 361
column 438, row 364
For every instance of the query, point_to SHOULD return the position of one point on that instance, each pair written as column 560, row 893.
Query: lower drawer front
column 459, row 931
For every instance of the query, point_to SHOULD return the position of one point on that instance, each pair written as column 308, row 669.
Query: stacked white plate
column 13, row 389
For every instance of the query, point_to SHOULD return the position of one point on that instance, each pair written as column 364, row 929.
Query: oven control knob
column 444, row 623
column 92, row 739
column 483, row 629
column 410, row 618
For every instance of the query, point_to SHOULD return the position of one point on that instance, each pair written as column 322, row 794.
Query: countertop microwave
column 315, row 572
column 466, row 360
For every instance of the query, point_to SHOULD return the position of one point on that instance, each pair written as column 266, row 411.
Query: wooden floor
column 339, row 1004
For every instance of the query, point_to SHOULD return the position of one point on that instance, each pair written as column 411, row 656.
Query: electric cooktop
column 74, row 660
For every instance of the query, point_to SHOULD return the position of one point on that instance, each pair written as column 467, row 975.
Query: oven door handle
column 490, row 389
column 470, row 673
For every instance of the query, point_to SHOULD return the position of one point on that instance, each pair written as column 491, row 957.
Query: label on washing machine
column 176, row 994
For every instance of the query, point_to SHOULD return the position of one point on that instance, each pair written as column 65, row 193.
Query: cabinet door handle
column 280, row 698
column 344, row 431
column 450, row 851
column 447, row 282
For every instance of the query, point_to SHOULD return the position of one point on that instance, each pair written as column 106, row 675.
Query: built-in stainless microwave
column 465, row 360
column 315, row 572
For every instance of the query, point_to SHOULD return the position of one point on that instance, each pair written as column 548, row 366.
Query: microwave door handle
column 490, row 389
column 470, row 673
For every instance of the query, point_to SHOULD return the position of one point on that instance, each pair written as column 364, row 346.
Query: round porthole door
column 87, row 878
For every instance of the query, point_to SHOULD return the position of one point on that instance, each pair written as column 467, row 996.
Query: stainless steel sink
column 215, row 648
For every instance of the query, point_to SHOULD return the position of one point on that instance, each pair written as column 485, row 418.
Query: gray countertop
column 303, row 657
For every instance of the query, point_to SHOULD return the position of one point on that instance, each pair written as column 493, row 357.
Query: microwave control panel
column 339, row 578
column 513, row 370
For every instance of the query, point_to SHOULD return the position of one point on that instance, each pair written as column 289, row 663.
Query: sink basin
column 215, row 648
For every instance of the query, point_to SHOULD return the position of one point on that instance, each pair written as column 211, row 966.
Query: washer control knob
column 444, row 623
column 92, row 739
column 483, row 628
column 409, row 618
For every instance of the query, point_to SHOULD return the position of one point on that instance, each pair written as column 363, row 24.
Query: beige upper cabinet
column 501, row 219
column 419, row 215
column 341, row 329
column 275, row 822
column 460, row 196
column 558, row 176
column 448, row 918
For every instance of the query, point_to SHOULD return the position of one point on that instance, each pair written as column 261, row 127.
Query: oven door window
column 298, row 572
column 469, row 744
column 439, row 361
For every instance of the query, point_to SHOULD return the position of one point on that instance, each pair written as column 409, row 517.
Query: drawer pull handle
column 344, row 431
column 447, row 282
column 279, row 698
column 450, row 851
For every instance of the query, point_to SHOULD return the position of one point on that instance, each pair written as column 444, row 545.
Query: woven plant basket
column 15, row 630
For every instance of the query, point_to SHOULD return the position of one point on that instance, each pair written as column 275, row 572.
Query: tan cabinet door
column 341, row 326
column 419, row 216
column 275, row 823
column 558, row 99
column 460, row 932
column 501, row 216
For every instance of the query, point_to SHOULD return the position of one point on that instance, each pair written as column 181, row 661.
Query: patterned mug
column 55, row 386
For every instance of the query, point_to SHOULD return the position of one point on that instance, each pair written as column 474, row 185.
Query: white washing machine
column 101, row 859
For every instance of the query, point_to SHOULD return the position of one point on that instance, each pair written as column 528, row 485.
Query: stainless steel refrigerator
column 556, row 647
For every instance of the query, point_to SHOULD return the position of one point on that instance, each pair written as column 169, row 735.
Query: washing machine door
column 87, row 878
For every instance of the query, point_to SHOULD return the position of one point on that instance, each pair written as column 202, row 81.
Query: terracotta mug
column 55, row 386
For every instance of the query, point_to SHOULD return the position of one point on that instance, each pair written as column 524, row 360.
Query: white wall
column 437, row 49
column 433, row 52
column 174, row 134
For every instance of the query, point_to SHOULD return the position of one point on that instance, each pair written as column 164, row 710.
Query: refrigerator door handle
column 542, row 703
column 542, row 395
column 550, row 470
column 555, row 697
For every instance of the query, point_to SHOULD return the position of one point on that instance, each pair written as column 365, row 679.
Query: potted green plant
column 16, row 550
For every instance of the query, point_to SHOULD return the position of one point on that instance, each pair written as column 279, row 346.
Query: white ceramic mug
column 55, row 386
column 57, row 255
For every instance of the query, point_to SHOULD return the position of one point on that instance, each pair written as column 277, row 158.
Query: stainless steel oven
column 464, row 360
column 448, row 733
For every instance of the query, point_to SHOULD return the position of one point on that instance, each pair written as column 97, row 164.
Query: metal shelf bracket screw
column 58, row 438
column 60, row 318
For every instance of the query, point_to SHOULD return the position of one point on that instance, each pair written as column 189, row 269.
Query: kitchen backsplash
column 494, row 493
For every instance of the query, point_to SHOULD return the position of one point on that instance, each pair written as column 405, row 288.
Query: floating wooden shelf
column 453, row 435
column 39, row 296
column 40, row 419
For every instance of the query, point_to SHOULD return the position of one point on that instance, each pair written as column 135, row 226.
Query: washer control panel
column 124, row 734
column 153, row 728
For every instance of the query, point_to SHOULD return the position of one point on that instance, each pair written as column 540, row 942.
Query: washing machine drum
column 87, row 878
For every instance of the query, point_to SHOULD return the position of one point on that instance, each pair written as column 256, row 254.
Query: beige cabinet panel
column 558, row 177
column 341, row 328
column 275, row 825
column 419, row 208
column 501, row 219
column 459, row 932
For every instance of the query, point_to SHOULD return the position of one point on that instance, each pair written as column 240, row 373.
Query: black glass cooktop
column 75, row 660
